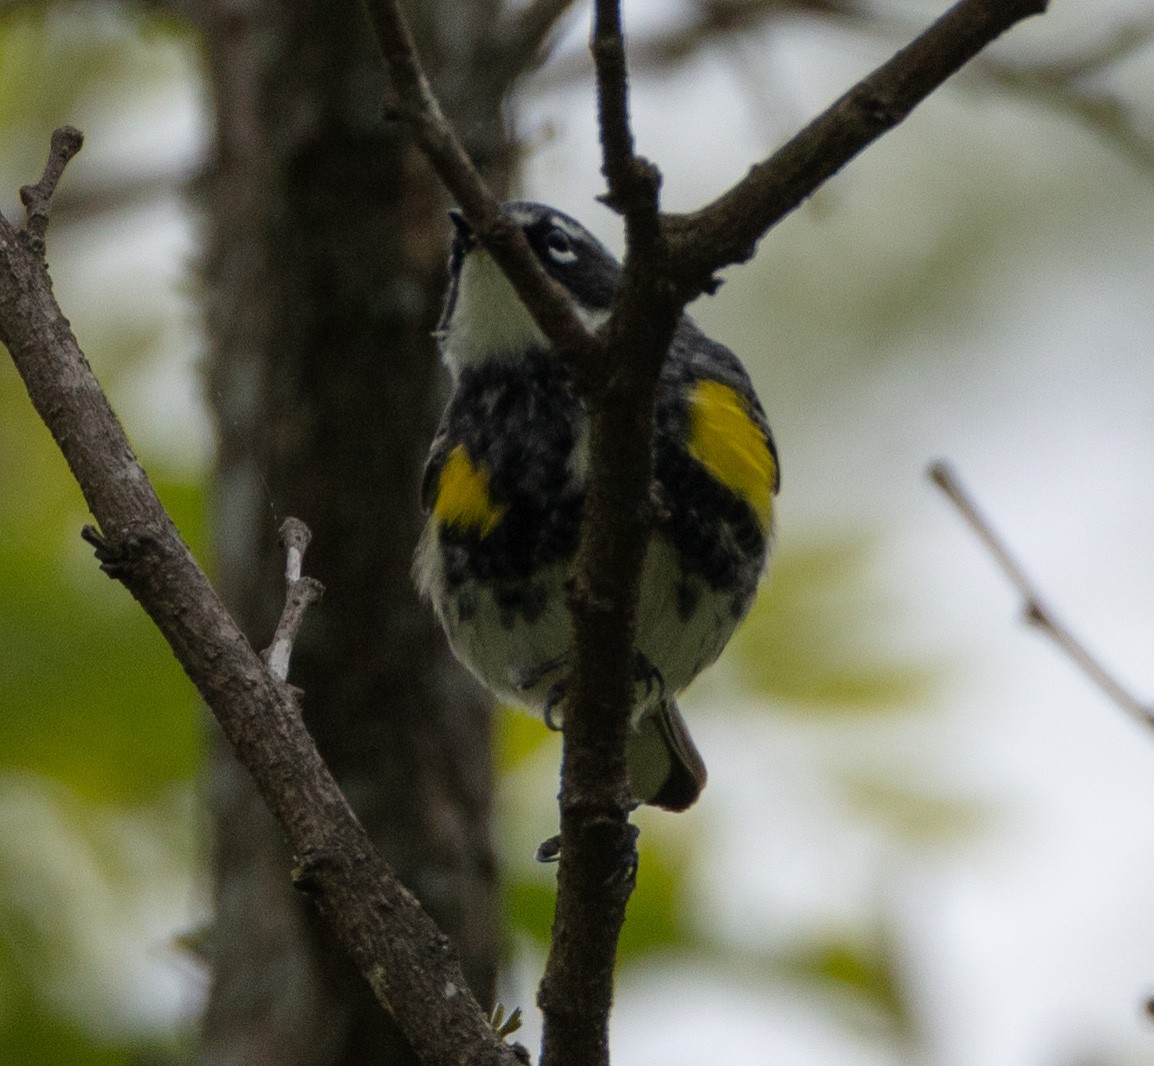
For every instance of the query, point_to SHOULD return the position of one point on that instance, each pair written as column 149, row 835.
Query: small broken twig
column 300, row 594
column 1036, row 611
column 66, row 142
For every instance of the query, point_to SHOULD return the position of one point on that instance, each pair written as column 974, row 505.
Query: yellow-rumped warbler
column 505, row 484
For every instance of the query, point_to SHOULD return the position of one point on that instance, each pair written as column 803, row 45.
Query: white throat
column 489, row 321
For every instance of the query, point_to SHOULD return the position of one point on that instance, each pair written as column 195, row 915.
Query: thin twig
column 523, row 37
column 416, row 105
column 1059, row 87
column 1035, row 610
column 727, row 230
column 626, row 176
column 300, row 593
column 66, row 142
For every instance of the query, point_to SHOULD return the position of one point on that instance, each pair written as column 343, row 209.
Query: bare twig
column 418, row 108
column 408, row 962
column 66, row 142
column 727, row 230
column 300, row 594
column 632, row 183
column 1059, row 86
column 704, row 23
column 1035, row 610
column 523, row 37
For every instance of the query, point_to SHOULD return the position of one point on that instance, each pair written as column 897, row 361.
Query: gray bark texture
column 326, row 242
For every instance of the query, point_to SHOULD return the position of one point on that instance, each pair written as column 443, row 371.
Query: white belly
column 523, row 661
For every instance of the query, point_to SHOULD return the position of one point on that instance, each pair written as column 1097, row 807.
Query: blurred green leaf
column 921, row 817
column 657, row 918
column 868, row 972
column 32, row 1034
column 519, row 737
column 812, row 636
column 658, row 913
column 92, row 694
column 50, row 60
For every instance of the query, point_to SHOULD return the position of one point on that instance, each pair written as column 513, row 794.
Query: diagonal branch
column 1034, row 608
column 524, row 38
column 418, row 108
column 402, row 954
column 727, row 230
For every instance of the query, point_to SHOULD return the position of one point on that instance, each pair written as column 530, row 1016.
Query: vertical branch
column 608, row 47
column 633, row 182
column 598, row 844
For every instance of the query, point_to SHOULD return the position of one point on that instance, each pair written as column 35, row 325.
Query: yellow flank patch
column 731, row 446
column 463, row 495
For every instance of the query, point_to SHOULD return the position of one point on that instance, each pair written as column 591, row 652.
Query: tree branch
column 727, row 230
column 632, row 183
column 1034, row 609
column 668, row 261
column 66, row 142
column 408, row 962
column 300, row 593
column 418, row 108
column 598, row 845
column 522, row 38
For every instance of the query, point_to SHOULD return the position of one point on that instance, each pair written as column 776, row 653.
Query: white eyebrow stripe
column 565, row 226
column 522, row 216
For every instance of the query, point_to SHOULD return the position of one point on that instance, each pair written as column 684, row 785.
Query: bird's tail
column 665, row 767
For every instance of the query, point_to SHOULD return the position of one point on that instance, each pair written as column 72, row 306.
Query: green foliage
column 92, row 695
column 100, row 734
column 519, row 738
column 864, row 971
column 33, row 1034
column 658, row 918
column 812, row 637
column 915, row 816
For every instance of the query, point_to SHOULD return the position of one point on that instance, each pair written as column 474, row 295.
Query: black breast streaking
column 518, row 421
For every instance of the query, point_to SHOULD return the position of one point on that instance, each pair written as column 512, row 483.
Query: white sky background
column 1032, row 943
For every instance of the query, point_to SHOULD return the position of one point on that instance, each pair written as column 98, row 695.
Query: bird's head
column 484, row 318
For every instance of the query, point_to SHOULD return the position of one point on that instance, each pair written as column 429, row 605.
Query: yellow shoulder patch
column 731, row 446
column 463, row 495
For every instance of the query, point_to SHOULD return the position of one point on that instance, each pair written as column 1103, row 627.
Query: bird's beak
column 465, row 233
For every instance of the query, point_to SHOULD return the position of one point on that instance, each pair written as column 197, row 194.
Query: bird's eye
column 560, row 247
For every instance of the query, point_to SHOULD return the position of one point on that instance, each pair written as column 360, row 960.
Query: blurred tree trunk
column 326, row 244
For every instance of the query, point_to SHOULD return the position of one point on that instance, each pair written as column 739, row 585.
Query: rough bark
column 326, row 243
